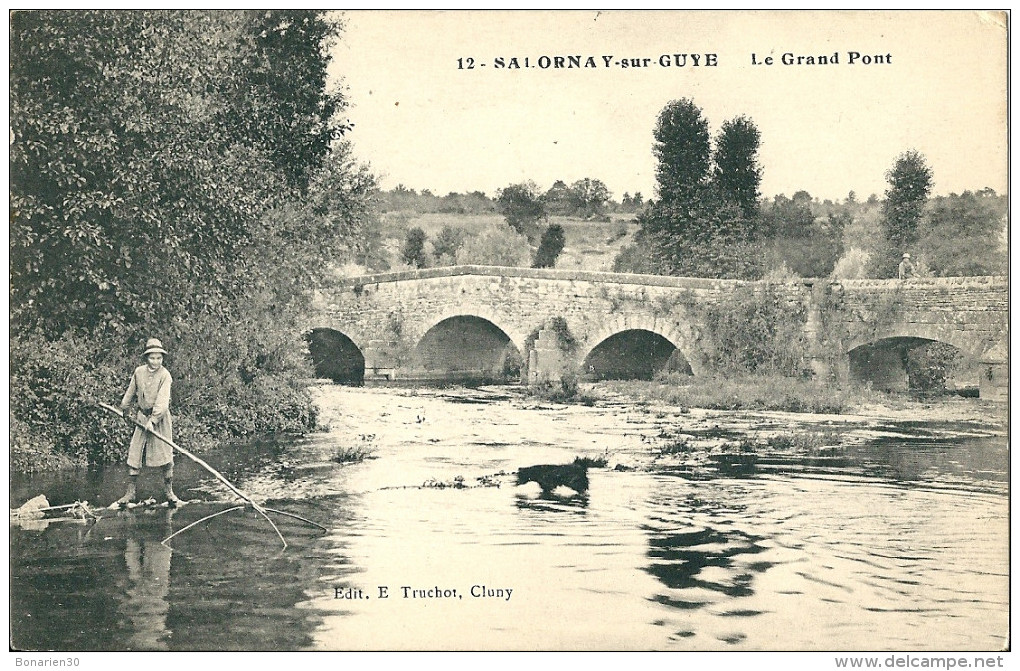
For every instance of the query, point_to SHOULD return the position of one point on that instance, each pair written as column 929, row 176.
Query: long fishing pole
column 219, row 476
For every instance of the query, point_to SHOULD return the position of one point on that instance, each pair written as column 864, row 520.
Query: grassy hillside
column 590, row 245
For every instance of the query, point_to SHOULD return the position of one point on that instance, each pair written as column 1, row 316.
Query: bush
column 565, row 390
column 54, row 389
column 446, row 244
column 228, row 383
column 930, row 365
column 521, row 205
column 747, row 392
column 498, row 245
column 413, row 251
column 550, row 247
column 755, row 330
column 852, row 266
column 352, row 454
column 635, row 258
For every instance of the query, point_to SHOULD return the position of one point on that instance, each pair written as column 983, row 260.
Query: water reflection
column 143, row 603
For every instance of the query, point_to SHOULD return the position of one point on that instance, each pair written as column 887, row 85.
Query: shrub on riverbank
column 55, row 387
column 565, row 390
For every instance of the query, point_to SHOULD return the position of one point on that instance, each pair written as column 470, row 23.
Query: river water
column 831, row 533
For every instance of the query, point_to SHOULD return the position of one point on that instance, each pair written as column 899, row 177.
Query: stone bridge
column 492, row 323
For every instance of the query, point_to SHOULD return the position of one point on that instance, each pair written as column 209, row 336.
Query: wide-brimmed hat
column 906, row 255
column 153, row 345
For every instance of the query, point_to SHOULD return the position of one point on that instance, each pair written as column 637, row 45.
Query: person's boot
column 168, row 488
column 129, row 496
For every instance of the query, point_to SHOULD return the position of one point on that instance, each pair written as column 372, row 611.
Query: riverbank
column 789, row 395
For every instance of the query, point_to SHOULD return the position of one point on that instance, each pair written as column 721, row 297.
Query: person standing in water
column 149, row 391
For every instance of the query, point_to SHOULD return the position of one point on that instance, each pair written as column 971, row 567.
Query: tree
column 703, row 237
column 682, row 149
column 737, row 172
column 589, row 197
column 147, row 146
column 700, row 225
column 158, row 160
column 557, row 200
column 521, row 206
column 959, row 235
column 789, row 218
column 910, row 182
column 550, row 247
column 446, row 244
column 413, row 251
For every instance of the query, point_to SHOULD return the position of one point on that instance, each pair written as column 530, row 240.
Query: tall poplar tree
column 682, row 147
column 910, row 182
column 737, row 173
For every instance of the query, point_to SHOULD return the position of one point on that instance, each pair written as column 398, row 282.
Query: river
column 702, row 531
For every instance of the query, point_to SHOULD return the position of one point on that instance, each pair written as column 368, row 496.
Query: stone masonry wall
column 396, row 309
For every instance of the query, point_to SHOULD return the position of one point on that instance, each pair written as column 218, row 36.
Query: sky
column 426, row 120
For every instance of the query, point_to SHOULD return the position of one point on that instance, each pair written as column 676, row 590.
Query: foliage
column 55, row 386
column 682, row 149
column 497, row 245
column 755, row 330
column 567, row 341
column 550, row 247
column 930, row 365
column 352, row 454
column 789, row 217
column 702, row 238
column 522, row 207
column 807, row 244
column 702, row 226
column 959, row 235
column 404, row 199
column 853, row 265
column 558, row 199
column 368, row 249
column 737, row 172
column 139, row 133
column 565, row 390
column 910, row 182
column 446, row 244
column 638, row 257
column 588, row 198
column 158, row 159
column 413, row 251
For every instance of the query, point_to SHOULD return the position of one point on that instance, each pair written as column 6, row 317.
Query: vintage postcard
column 597, row 330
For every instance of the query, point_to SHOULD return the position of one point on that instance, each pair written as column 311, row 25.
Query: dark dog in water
column 551, row 476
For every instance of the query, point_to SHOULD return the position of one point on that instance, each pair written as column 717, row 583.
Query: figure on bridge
column 906, row 267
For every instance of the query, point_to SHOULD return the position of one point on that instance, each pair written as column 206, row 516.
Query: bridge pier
column 546, row 362
column 380, row 361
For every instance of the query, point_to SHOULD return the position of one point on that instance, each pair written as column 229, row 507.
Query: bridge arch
column 888, row 362
column 500, row 321
column 466, row 347
column 335, row 356
column 681, row 339
column 634, row 354
column 949, row 334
